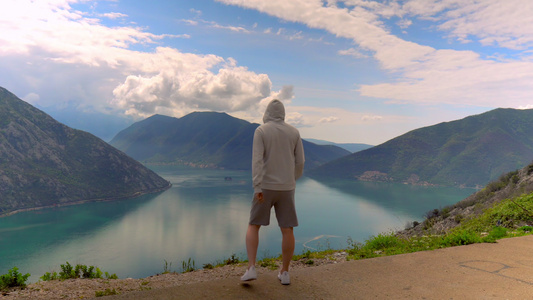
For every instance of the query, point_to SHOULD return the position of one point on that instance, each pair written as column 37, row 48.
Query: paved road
column 503, row 270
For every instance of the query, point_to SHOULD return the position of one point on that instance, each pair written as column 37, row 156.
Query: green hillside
column 45, row 163
column 203, row 139
column 467, row 152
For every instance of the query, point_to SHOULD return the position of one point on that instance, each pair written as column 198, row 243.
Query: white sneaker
column 250, row 274
column 284, row 278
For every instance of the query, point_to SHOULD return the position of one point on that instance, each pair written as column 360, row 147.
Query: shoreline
column 134, row 195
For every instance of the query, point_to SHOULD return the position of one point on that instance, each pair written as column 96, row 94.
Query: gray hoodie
column 278, row 154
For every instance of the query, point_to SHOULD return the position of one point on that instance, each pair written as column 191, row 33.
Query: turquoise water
column 204, row 217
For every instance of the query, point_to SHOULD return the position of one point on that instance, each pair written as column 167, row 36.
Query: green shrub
column 167, row 267
column 310, row 255
column 383, row 242
column 49, row 276
column 13, row 279
column 525, row 229
column 423, row 243
column 232, row 260
column 83, row 271
column 79, row 271
column 67, row 272
column 461, row 237
column 107, row 292
column 496, row 234
column 188, row 266
column 268, row 263
column 507, row 213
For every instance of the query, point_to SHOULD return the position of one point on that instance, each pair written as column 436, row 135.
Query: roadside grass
column 509, row 218
column 69, row 271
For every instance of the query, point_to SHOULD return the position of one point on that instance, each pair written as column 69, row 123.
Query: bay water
column 203, row 219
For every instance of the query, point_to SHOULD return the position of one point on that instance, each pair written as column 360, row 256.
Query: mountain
column 203, row 139
column 352, row 147
column 467, row 152
column 45, row 163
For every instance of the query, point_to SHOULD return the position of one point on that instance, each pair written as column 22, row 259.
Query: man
column 277, row 162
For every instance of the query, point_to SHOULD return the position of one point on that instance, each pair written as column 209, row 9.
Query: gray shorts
column 283, row 202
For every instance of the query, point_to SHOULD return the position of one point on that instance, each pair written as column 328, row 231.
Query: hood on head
column 275, row 111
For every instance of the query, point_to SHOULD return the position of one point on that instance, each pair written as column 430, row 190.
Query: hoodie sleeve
column 257, row 161
column 299, row 159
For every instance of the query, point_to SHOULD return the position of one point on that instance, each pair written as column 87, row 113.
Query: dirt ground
column 502, row 270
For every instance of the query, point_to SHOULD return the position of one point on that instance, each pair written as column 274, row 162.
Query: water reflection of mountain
column 415, row 200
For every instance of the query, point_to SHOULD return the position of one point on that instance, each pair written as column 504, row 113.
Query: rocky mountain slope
column 468, row 152
column 45, row 163
column 508, row 186
column 203, row 139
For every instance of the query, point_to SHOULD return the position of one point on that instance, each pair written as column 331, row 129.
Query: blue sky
column 348, row 71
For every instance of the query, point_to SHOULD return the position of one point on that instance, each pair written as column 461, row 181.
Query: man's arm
column 257, row 161
column 299, row 159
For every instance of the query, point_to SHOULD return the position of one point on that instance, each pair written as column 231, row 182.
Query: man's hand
column 259, row 197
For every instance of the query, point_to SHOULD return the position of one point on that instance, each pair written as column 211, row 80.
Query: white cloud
column 191, row 22
column 492, row 22
column 330, row 119
column 352, row 52
column 371, row 118
column 321, row 116
column 212, row 24
column 228, row 27
column 32, row 98
column 352, row 126
column 197, row 12
column 425, row 74
column 95, row 63
column 114, row 15
column 177, row 90
column 460, row 77
column 357, row 24
column 404, row 23
column 296, row 119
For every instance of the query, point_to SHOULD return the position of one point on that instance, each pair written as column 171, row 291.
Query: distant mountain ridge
column 203, row 139
column 467, row 152
column 45, row 163
column 352, row 147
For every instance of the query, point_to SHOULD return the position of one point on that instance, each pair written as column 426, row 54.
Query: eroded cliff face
column 45, row 163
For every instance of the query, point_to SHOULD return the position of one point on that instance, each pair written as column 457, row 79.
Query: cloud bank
column 424, row 74
column 66, row 43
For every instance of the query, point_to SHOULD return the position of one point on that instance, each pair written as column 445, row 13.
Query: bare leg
column 252, row 243
column 287, row 247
